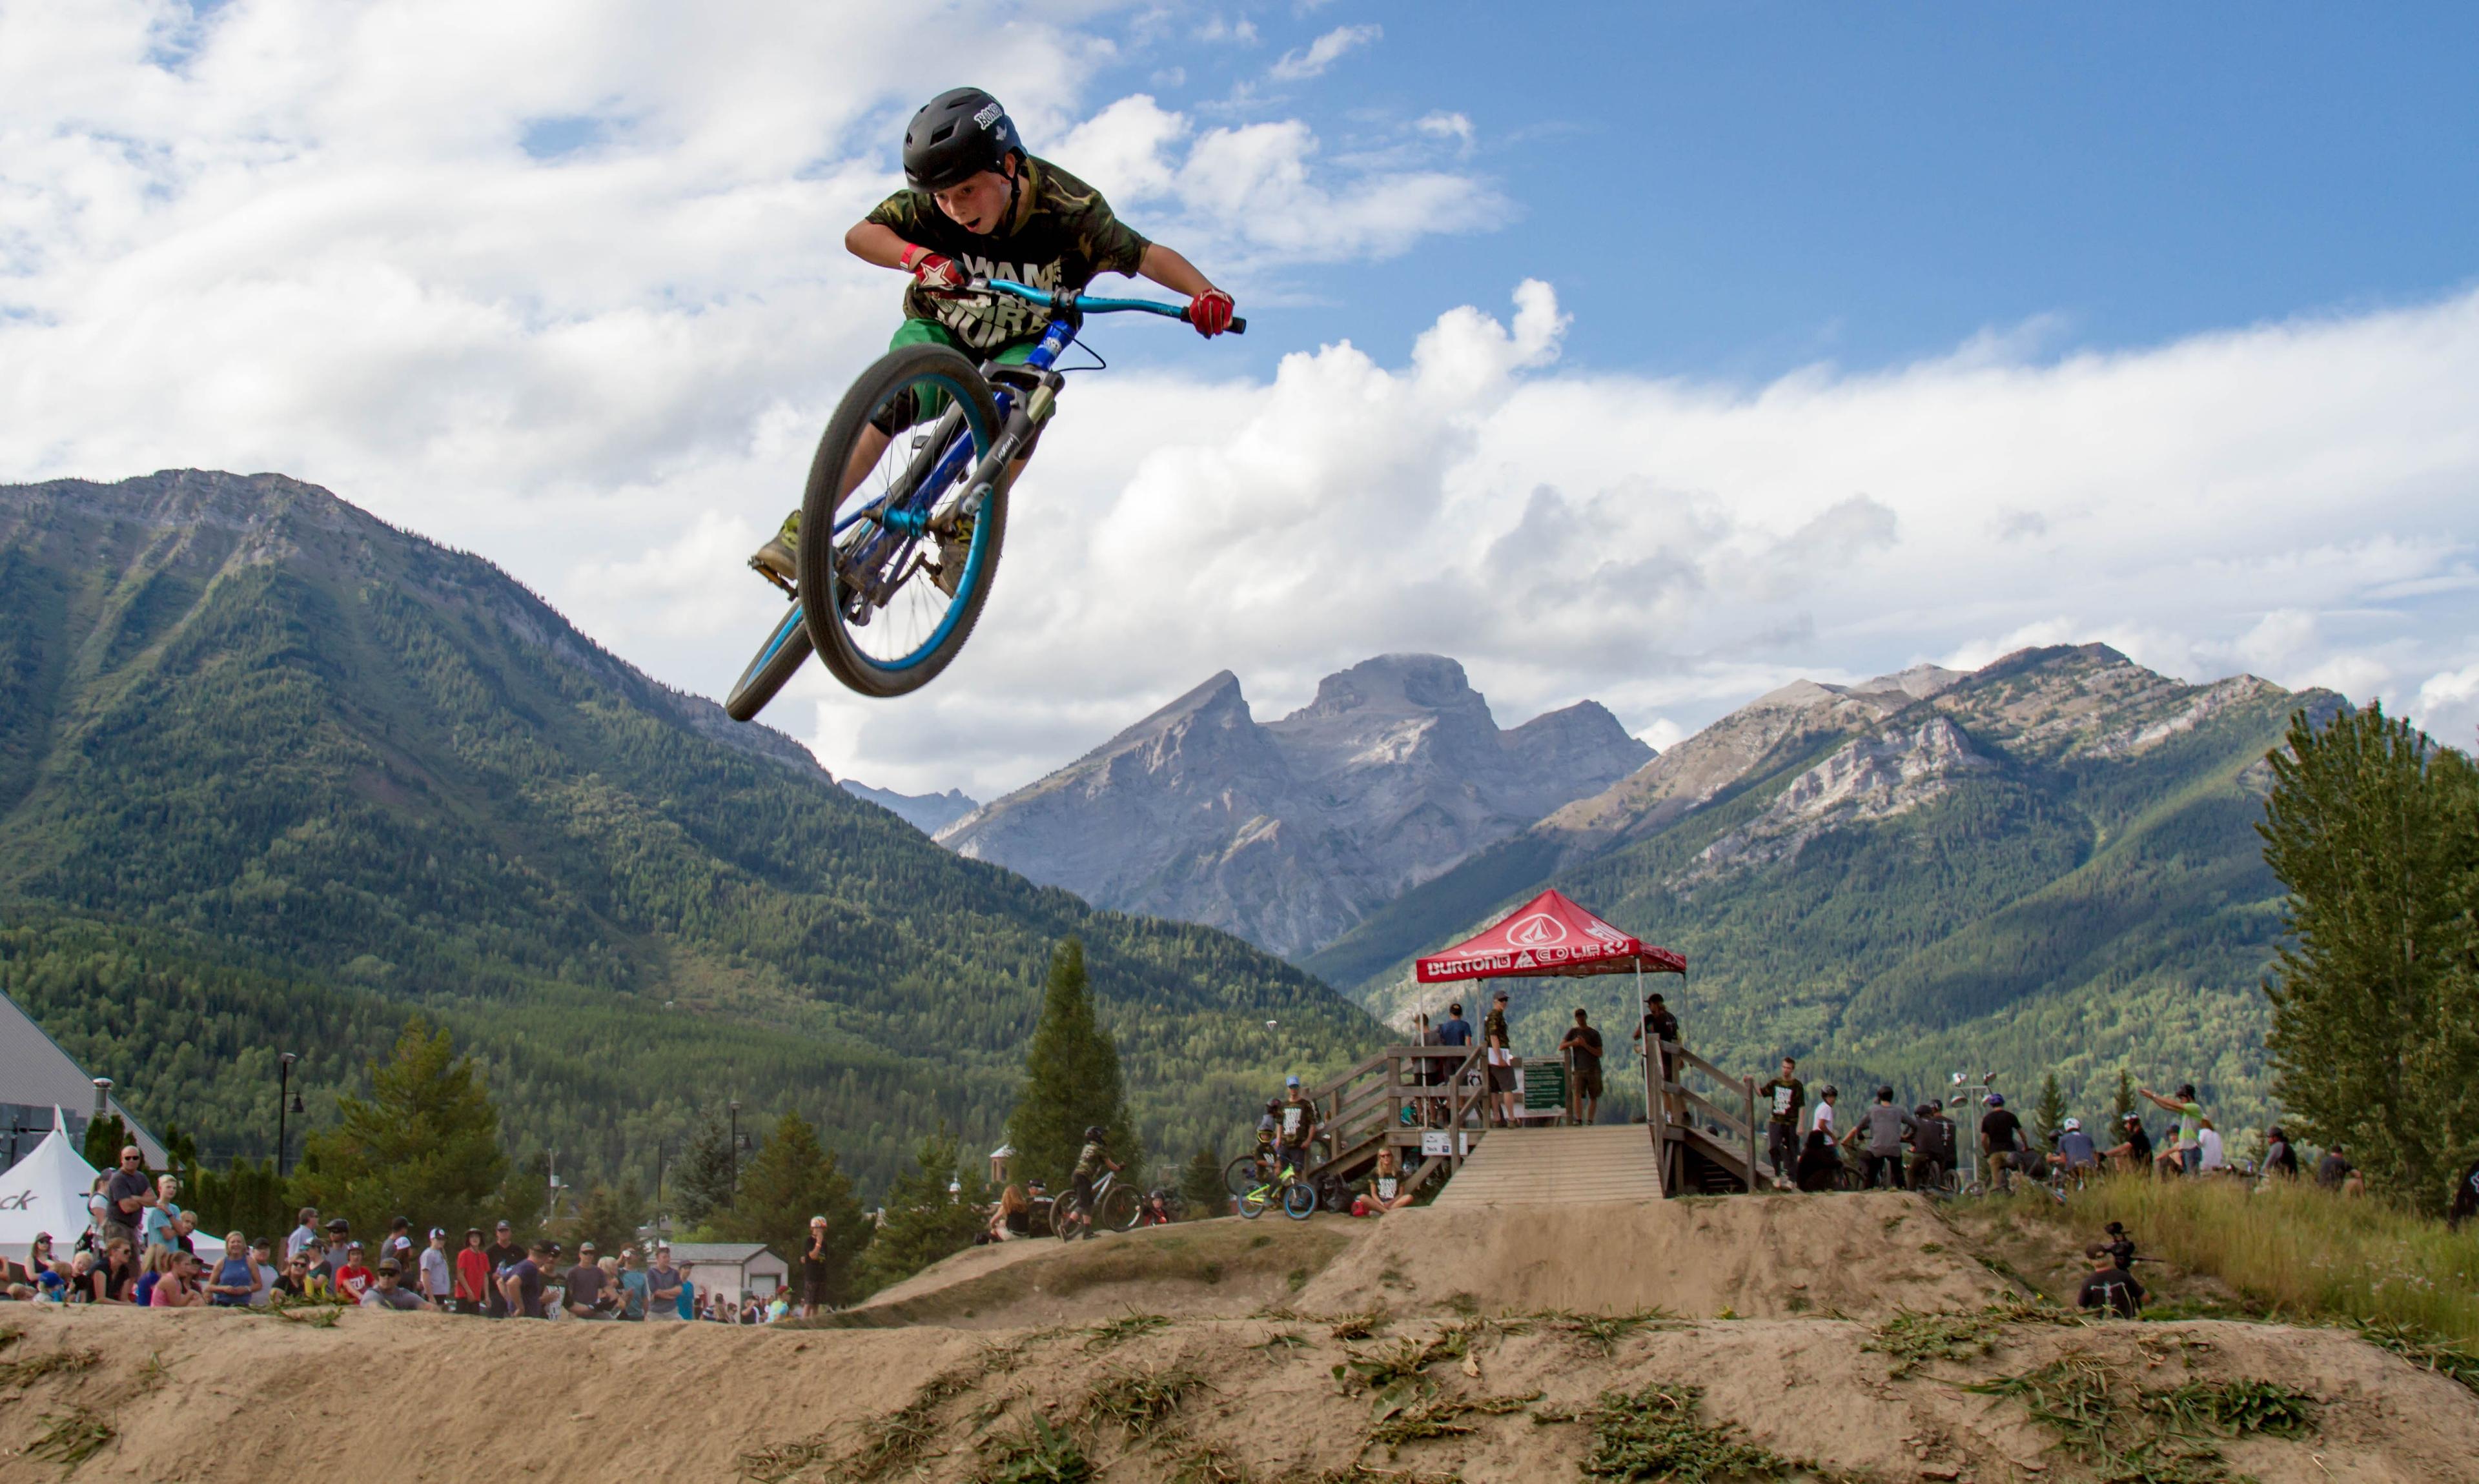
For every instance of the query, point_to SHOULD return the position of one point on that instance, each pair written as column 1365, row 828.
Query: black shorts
column 1079, row 1188
column 1501, row 1079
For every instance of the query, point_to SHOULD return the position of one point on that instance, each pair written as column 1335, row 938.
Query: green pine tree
column 2124, row 1103
column 2375, row 1001
column 1201, row 1187
column 788, row 1182
column 932, row 1212
column 704, row 1183
column 2049, row 1115
column 105, row 1138
column 1071, row 1081
column 610, row 1215
column 425, row 1145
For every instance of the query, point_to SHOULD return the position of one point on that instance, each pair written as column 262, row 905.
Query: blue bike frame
column 907, row 517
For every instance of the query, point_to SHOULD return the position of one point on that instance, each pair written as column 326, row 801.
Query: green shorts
column 923, row 404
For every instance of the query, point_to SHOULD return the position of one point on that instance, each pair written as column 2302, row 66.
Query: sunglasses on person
column 131, row 1159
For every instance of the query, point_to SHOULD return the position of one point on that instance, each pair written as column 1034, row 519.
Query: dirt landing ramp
column 1763, row 1255
column 1221, row 1266
column 201, row 1397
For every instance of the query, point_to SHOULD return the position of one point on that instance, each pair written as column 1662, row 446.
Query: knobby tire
column 820, row 586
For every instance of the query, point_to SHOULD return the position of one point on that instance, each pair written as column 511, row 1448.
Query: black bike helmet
column 956, row 136
column 1095, row 1134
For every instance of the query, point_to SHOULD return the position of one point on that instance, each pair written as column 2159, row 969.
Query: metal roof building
column 37, row 1076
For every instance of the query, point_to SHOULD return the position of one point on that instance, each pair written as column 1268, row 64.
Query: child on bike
column 977, row 205
column 1091, row 1161
column 1269, row 1134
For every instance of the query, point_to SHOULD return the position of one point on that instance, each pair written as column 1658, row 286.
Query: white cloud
column 1672, row 548
column 1312, row 61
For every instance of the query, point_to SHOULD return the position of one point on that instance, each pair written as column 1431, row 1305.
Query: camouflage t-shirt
column 1062, row 234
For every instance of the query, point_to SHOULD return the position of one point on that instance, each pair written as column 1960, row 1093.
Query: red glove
column 1210, row 312
column 932, row 272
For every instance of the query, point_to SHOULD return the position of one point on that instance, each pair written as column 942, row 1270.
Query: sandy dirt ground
column 1433, row 1382
column 1768, row 1256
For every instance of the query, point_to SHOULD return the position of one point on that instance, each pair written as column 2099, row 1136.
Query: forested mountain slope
column 2049, row 863
column 273, row 773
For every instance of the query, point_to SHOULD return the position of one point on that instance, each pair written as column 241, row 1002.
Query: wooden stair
column 1557, row 1166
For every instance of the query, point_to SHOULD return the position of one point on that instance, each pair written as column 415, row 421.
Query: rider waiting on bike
column 980, row 206
column 1091, row 1161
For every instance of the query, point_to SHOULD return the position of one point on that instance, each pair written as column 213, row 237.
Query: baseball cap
column 817, row 1221
column 505, row 1227
column 1292, row 1080
column 389, row 1266
column 439, row 1231
column 587, row 1246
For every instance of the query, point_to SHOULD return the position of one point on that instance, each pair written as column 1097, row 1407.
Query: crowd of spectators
column 139, row 1250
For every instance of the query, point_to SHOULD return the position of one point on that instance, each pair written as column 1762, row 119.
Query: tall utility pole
column 283, row 1097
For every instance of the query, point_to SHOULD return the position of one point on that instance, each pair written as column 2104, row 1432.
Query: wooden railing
column 1678, row 1117
column 1362, row 1111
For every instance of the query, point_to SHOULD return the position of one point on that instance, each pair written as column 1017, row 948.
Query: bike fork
column 1023, row 420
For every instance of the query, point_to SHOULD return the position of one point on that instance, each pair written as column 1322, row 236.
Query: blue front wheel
column 778, row 660
column 893, row 569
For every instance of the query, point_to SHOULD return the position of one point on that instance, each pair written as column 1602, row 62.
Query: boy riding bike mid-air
column 980, row 206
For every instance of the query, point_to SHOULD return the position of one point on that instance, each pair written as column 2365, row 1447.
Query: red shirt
column 354, row 1281
column 473, row 1274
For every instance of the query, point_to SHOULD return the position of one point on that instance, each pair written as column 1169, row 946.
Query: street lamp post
column 283, row 1099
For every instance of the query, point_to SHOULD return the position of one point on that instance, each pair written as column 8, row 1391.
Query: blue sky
column 1734, row 189
column 1655, row 355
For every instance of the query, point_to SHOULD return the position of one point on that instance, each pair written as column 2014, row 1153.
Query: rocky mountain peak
column 1290, row 832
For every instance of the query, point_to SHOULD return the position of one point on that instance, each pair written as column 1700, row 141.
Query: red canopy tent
column 1549, row 935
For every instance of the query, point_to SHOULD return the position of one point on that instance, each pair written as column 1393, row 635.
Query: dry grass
column 2292, row 1249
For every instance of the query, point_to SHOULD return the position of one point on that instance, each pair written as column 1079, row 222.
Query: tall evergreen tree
column 706, row 1172
column 2123, row 1101
column 2049, row 1115
column 105, row 1138
column 2375, row 1000
column 790, row 1180
column 425, row 1143
column 1072, row 1081
column 1201, row 1187
column 926, row 1219
column 610, row 1214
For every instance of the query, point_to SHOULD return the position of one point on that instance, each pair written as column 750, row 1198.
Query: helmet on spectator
column 1997, row 1100
column 956, row 136
column 1273, row 1105
column 2074, row 1125
column 1095, row 1133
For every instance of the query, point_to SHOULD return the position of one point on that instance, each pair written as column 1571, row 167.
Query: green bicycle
column 1281, row 1186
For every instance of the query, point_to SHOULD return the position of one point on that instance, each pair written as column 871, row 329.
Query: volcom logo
column 1606, row 934
column 988, row 115
column 1537, row 931
column 23, row 1200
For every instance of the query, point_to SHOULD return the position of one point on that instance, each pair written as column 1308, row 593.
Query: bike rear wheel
column 1119, row 1210
column 889, row 605
column 1254, row 1201
column 778, row 659
column 1299, row 1201
column 1239, row 1176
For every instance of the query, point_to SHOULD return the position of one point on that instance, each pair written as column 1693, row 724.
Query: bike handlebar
column 1088, row 306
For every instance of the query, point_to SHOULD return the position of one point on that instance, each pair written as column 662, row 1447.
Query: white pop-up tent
column 46, row 1191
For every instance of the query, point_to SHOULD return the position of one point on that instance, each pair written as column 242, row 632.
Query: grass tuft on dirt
column 1037, row 1453
column 2129, row 1435
column 2426, row 1350
column 71, row 1437
column 1138, row 1400
column 1914, row 1339
column 51, row 1363
column 1658, row 1434
column 1127, row 1326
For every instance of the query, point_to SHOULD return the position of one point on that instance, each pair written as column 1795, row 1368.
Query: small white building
column 734, row 1270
